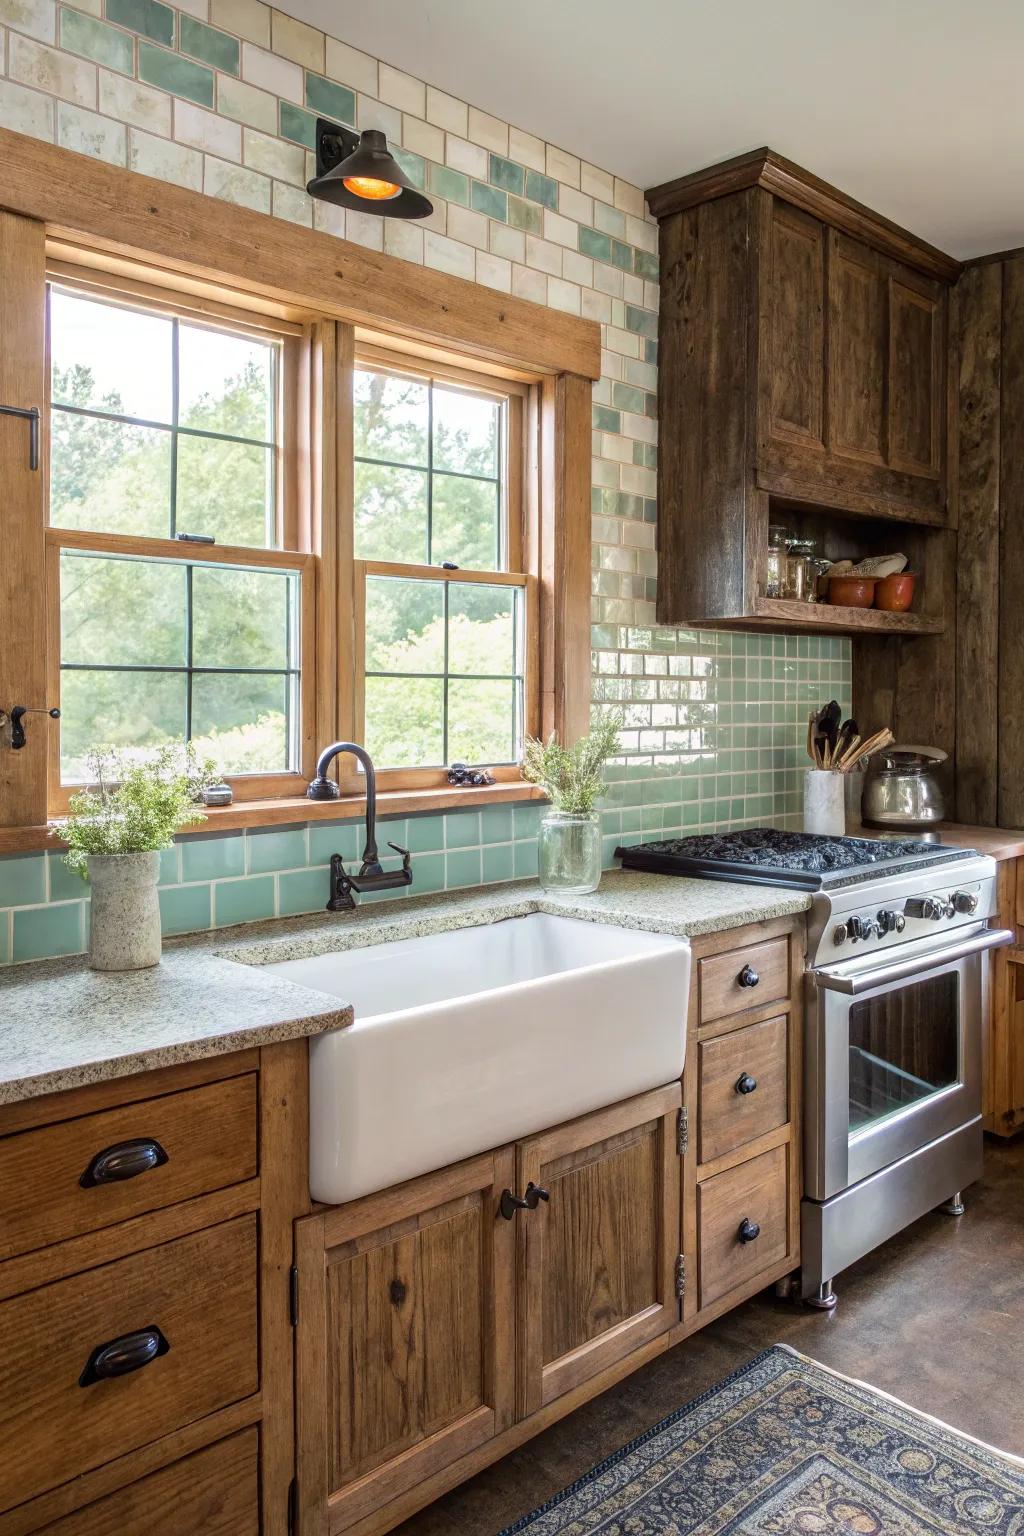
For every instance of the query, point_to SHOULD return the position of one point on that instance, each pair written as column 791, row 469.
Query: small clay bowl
column 851, row 591
column 895, row 593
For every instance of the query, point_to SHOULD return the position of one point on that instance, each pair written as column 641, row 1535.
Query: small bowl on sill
column 894, row 594
column 852, row 591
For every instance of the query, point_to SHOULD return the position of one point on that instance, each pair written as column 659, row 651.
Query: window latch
column 31, row 415
column 16, row 721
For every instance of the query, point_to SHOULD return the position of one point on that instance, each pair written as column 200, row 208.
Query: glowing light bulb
column 372, row 189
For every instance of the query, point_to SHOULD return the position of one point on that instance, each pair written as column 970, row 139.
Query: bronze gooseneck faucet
column 371, row 876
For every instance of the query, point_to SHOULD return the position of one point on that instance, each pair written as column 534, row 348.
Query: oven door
column 893, row 1057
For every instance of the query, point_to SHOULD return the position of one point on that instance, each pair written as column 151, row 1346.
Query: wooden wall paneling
column 562, row 526
column 121, row 211
column 704, row 357
column 1010, row 697
column 284, row 1197
column 23, row 677
column 979, row 348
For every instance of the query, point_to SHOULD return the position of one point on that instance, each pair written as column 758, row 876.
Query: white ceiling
column 915, row 107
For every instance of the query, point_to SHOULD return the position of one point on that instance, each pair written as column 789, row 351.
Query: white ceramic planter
column 124, row 932
column 825, row 802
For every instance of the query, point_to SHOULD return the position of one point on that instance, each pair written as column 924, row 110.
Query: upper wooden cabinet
column 803, row 361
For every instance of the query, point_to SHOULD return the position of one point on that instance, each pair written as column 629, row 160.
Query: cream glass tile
column 404, row 239
column 207, row 131
column 351, row 67
column 449, row 255
column 463, row 156
column 640, row 232
column 629, row 198
column 563, row 295
column 248, row 19
column 131, row 102
column 422, row 138
column 275, row 157
column 575, row 205
column 26, row 111
column 561, row 231
column 328, row 219
column 464, row 224
column 402, row 91
column 562, row 166
column 526, row 149
column 510, row 243
column 90, row 134
column 46, row 69
column 377, row 114
column 236, row 184
column 489, row 131
column 246, row 104
column 365, row 229
column 292, row 203
column 596, row 306
column 280, row 76
column 529, row 284
column 446, row 112
column 544, row 256
column 596, row 183
column 156, row 157
column 494, row 271
column 295, row 40
column 36, row 18
column 579, row 269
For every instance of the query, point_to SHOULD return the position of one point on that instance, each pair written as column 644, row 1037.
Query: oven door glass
column 904, row 1048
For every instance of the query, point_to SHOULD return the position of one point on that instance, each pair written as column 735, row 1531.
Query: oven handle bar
column 882, row 975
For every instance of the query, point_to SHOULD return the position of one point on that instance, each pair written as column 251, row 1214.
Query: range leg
column 824, row 1298
column 955, row 1205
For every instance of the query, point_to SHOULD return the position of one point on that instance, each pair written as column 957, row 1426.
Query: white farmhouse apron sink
column 467, row 1040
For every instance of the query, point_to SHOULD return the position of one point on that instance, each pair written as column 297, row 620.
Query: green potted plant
column 114, row 831
column 570, row 833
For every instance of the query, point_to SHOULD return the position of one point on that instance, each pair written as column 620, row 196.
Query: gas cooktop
column 801, row 860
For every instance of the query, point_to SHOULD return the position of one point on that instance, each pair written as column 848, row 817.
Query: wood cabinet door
column 597, row 1258
column 405, row 1355
column 858, row 350
column 793, row 367
column 917, row 347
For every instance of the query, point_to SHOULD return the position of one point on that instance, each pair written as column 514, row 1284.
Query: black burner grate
column 765, row 856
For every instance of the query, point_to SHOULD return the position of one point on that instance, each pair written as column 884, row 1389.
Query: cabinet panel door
column 597, row 1259
column 916, row 346
column 858, row 350
column 405, row 1354
column 795, row 362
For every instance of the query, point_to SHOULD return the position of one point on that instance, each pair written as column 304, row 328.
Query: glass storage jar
column 775, row 574
column 801, row 574
column 570, row 852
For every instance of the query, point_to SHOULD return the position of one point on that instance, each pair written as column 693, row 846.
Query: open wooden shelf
column 787, row 613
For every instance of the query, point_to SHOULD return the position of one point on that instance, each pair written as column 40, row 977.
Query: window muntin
column 430, row 475
column 159, row 650
column 162, row 425
column 444, row 673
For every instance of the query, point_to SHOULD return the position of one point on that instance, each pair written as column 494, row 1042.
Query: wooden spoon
column 875, row 743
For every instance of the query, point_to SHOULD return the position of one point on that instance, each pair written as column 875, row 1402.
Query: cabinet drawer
column 215, row 1492
column 743, row 978
column 756, row 1193
column 744, row 1086
column 56, row 1182
column 198, row 1292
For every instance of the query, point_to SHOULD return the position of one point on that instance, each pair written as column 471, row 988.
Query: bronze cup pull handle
column 124, row 1160
column 122, row 1356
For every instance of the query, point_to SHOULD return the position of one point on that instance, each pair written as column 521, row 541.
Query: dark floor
column 936, row 1317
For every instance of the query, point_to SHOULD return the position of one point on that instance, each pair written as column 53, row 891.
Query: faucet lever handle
column 406, row 855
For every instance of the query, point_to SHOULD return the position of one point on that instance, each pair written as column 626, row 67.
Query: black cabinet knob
column 749, row 1230
column 748, row 977
column 510, row 1203
column 746, row 1083
column 120, row 1357
column 124, row 1160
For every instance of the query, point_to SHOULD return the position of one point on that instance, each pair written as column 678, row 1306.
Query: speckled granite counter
column 62, row 1025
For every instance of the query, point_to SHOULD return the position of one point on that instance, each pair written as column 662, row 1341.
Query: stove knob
column 840, row 934
column 890, row 921
column 965, row 901
column 926, row 906
column 860, row 928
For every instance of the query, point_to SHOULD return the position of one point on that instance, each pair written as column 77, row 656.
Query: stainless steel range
column 894, row 997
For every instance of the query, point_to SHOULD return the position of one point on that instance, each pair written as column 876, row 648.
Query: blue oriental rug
column 788, row 1448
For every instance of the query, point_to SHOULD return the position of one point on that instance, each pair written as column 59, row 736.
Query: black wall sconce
column 357, row 170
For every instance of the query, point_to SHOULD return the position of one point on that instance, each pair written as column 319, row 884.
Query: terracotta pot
column 895, row 593
column 851, row 591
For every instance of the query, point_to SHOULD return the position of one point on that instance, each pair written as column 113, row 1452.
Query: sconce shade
column 370, row 180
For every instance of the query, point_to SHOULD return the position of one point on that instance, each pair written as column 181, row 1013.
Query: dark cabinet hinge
column 293, row 1507
column 683, row 1131
column 293, row 1295
column 680, row 1276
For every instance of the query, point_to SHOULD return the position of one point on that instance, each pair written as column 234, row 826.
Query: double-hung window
column 442, row 596
column 177, row 586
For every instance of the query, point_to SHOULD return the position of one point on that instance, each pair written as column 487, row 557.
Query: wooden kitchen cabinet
column 803, row 373
column 405, row 1349
column 598, row 1258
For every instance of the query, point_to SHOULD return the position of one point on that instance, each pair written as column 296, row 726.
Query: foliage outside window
column 443, row 657
column 163, row 426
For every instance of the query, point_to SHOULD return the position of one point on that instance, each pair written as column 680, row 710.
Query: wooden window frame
column 514, row 395
column 292, row 531
column 158, row 241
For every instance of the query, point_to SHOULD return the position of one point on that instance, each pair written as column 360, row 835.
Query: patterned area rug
column 788, row 1448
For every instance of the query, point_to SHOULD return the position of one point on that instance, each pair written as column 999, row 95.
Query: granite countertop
column 65, row 1026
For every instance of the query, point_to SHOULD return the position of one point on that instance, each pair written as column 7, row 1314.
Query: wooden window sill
column 276, row 813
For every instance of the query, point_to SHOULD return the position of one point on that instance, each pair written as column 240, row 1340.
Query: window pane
column 465, row 523
column 241, row 618
column 390, row 513
column 241, row 721
column 135, row 712
column 391, row 418
column 404, row 625
column 481, row 719
column 107, row 476
column 110, row 358
column 226, row 383
column 465, row 432
column 405, row 721
column 481, row 628
column 226, row 490
column 122, row 612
